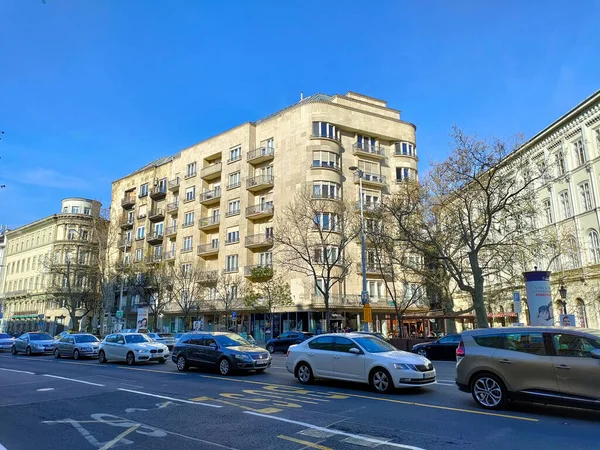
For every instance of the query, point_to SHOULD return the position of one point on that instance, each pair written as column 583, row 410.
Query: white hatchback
column 132, row 348
column 360, row 358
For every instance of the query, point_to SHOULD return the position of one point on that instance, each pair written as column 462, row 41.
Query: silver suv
column 558, row 365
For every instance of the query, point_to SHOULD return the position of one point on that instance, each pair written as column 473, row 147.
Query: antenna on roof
column 301, row 95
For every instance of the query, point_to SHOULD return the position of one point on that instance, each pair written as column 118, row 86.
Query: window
column 404, row 149
column 547, row 206
column 586, row 196
column 571, row 345
column 234, row 180
column 344, row 345
column 579, row 152
column 144, row 190
column 327, row 254
column 188, row 219
column 87, row 211
column 326, row 159
column 581, row 313
column 572, row 254
column 233, row 207
column 190, row 170
column 186, row 269
column 190, row 194
column 405, row 174
column 74, row 209
column 83, row 234
column 232, row 290
column 66, row 209
column 233, row 235
column 560, row 163
column 371, row 198
column 141, row 233
column 326, row 189
column 532, row 343
column 565, row 204
column 235, row 154
column 375, row 288
column 324, row 129
column 489, row 340
column 139, row 254
column 322, row 343
column 594, row 243
column 231, row 263
column 187, row 244
column 327, row 221
column 71, row 234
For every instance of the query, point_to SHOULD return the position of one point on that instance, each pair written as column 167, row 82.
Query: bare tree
column 267, row 291
column 471, row 212
column 188, row 292
column 312, row 234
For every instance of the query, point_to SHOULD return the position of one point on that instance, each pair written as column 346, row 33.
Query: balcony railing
column 154, row 259
column 174, row 184
column 259, row 182
column 168, row 256
column 232, row 212
column 261, row 154
column 210, row 196
column 128, row 201
column 364, row 148
column 158, row 192
column 248, row 270
column 173, row 207
column 209, row 277
column 156, row 214
column 369, row 178
column 126, row 242
column 326, row 196
column 126, row 223
column 155, row 237
column 211, row 171
column 206, row 222
column 210, row 248
column 334, row 300
column 325, row 135
column 259, row 240
column 261, row 210
column 170, row 231
column 374, row 268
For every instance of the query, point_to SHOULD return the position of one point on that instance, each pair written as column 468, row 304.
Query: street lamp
column 563, row 295
column 364, row 295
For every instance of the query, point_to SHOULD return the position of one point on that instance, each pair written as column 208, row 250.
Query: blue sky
column 91, row 90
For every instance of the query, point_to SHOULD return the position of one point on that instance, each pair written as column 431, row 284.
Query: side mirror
column 213, row 346
column 595, row 353
column 354, row 351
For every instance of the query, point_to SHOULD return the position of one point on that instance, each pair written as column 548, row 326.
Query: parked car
column 443, row 348
column 361, row 358
column 31, row 343
column 226, row 352
column 77, row 346
column 6, row 341
column 558, row 365
column 132, row 348
column 284, row 340
column 164, row 338
column 369, row 333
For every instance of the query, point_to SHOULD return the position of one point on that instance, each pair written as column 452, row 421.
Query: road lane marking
column 152, row 370
column 45, row 389
column 18, row 371
column 110, row 444
column 339, row 433
column 169, row 398
column 74, row 380
column 306, row 443
column 248, row 408
column 441, row 383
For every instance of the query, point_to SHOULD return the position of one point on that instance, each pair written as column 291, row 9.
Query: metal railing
column 259, row 239
column 260, row 152
column 248, row 269
column 261, row 208
column 173, row 184
column 260, row 180
column 174, row 206
column 368, row 148
column 209, row 221
column 210, row 194
column 369, row 177
column 208, row 248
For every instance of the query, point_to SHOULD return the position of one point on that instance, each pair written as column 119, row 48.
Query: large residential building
column 28, row 294
column 215, row 202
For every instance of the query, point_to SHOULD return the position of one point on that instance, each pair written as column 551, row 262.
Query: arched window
column 581, row 313
column 594, row 243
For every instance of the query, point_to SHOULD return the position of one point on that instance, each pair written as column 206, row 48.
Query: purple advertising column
column 539, row 297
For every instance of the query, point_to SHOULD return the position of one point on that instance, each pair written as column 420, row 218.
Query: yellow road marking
column 109, row 444
column 263, row 410
column 201, row 399
column 287, row 397
column 300, row 441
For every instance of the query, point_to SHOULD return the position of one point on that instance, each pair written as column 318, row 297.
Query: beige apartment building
column 28, row 302
column 569, row 206
column 215, row 202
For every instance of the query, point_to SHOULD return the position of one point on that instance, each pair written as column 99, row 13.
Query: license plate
column 261, row 363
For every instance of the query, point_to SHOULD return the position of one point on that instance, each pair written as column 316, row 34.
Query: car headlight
column 141, row 350
column 38, row 346
column 404, row 366
column 243, row 357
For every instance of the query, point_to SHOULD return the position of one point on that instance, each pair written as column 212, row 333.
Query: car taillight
column 460, row 350
column 288, row 353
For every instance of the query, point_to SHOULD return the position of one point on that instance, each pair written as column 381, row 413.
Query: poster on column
column 539, row 297
column 142, row 317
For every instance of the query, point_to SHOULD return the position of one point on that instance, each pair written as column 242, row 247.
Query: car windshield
column 231, row 340
column 153, row 335
column 86, row 338
column 374, row 345
column 4, row 336
column 136, row 339
column 40, row 337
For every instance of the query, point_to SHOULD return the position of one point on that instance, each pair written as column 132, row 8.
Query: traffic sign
column 368, row 313
column 517, row 301
column 119, row 314
column 233, row 315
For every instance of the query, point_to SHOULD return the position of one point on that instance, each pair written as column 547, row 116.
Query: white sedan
column 360, row 358
column 132, row 348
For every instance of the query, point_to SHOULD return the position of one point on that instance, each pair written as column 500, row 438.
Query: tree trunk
column 327, row 321
column 74, row 321
column 477, row 293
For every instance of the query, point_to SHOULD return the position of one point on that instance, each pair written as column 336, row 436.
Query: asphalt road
column 63, row 404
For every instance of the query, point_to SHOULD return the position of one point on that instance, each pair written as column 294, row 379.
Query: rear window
column 322, row 343
column 489, row 340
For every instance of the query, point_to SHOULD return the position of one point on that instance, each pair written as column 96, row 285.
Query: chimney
column 301, row 95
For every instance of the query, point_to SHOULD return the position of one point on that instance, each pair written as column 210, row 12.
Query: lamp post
column 364, row 295
column 563, row 295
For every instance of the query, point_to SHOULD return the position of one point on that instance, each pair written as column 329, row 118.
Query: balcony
column 232, row 212
column 126, row 223
column 259, row 240
column 260, row 155
column 169, row 256
column 365, row 149
column 173, row 185
column 125, row 242
column 259, row 272
column 259, row 182
column 260, row 211
column 211, row 196
column 370, row 179
column 154, row 259
column 371, row 207
column 158, row 192
column 171, row 231
column 210, row 249
column 173, row 208
column 156, row 215
column 208, row 278
column 374, row 269
column 128, row 201
column 334, row 300
column 155, row 238
column 211, row 172
column 142, row 215
column 209, row 223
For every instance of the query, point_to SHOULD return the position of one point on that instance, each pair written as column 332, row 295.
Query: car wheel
column 102, row 357
column 422, row 352
column 488, row 391
column 13, row 350
column 76, row 354
column 130, row 358
column 56, row 353
column 28, row 351
column 224, row 367
column 304, row 373
column 381, row 381
column 182, row 364
column 271, row 348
